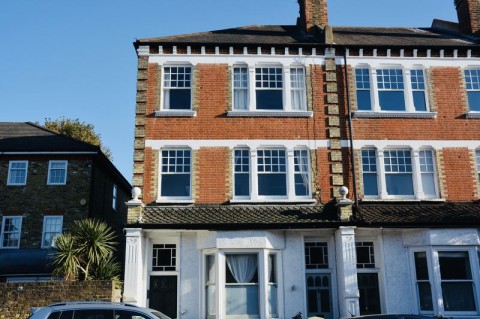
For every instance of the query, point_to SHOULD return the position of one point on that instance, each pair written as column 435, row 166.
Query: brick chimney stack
column 313, row 13
column 468, row 12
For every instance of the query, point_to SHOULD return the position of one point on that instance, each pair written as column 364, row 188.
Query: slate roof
column 291, row 35
column 378, row 214
column 28, row 137
column 390, row 214
column 238, row 216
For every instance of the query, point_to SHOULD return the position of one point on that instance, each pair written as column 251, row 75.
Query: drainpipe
column 350, row 131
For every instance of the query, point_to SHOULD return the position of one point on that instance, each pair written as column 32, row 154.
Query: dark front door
column 369, row 294
column 163, row 294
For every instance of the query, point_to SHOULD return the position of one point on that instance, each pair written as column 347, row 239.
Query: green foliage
column 85, row 253
column 77, row 130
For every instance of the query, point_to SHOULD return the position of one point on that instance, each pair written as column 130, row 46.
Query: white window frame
column 290, row 176
column 263, row 280
column 237, row 85
column 3, row 232
column 10, row 173
column 44, row 230
column 418, row 192
column 65, row 169
column 407, row 91
column 160, row 175
column 435, row 280
column 477, row 155
column 166, row 112
column 467, row 89
column 287, row 105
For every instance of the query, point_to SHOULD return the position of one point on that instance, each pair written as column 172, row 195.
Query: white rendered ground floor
column 329, row 273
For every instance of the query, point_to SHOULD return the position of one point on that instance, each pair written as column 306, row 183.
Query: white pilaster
column 349, row 296
column 407, row 91
column 287, row 92
column 417, row 175
column 374, row 91
column 253, row 175
column 382, row 187
column 133, row 288
column 291, row 173
column 252, row 100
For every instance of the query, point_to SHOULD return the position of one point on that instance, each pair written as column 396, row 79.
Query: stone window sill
column 175, row 113
column 473, row 115
column 286, row 201
column 412, row 115
column 270, row 114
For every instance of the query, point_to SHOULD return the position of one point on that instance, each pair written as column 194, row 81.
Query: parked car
column 96, row 310
column 393, row 316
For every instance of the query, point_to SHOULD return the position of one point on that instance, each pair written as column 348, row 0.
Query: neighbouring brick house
column 243, row 139
column 48, row 181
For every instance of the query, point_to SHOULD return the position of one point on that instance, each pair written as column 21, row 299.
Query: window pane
column 369, row 293
column 319, row 295
column 421, row 266
column 178, row 99
column 425, row 295
column 365, row 254
column 269, row 99
column 272, row 184
column 454, row 265
column 370, row 186
column 428, row 184
column 176, row 185
column 302, row 176
column 419, row 101
column 363, row 100
column 458, row 296
column 316, row 255
column 474, row 100
column 164, row 257
column 399, row 184
column 392, row 100
column 242, row 184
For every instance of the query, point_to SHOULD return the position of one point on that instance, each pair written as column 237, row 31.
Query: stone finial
column 136, row 192
column 344, row 205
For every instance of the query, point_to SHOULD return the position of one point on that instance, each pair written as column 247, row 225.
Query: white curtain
column 243, row 267
column 303, row 161
column 166, row 99
column 240, row 99
column 298, row 100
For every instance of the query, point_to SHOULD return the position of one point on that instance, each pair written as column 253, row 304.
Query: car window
column 93, row 314
column 66, row 314
column 127, row 314
column 54, row 315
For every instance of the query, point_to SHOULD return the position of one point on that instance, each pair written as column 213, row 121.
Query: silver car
column 96, row 310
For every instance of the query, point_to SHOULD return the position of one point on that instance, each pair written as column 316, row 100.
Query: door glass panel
column 163, row 294
column 319, row 295
column 369, row 293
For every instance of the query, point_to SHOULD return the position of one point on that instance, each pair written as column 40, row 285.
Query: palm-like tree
column 87, row 248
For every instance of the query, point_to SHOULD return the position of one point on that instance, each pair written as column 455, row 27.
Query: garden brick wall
column 17, row 299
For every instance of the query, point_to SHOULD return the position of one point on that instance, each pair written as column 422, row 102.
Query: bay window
column 245, row 281
column 271, row 173
column 445, row 281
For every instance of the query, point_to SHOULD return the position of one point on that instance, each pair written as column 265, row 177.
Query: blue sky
column 75, row 58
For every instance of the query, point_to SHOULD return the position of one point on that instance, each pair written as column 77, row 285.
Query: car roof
column 75, row 305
